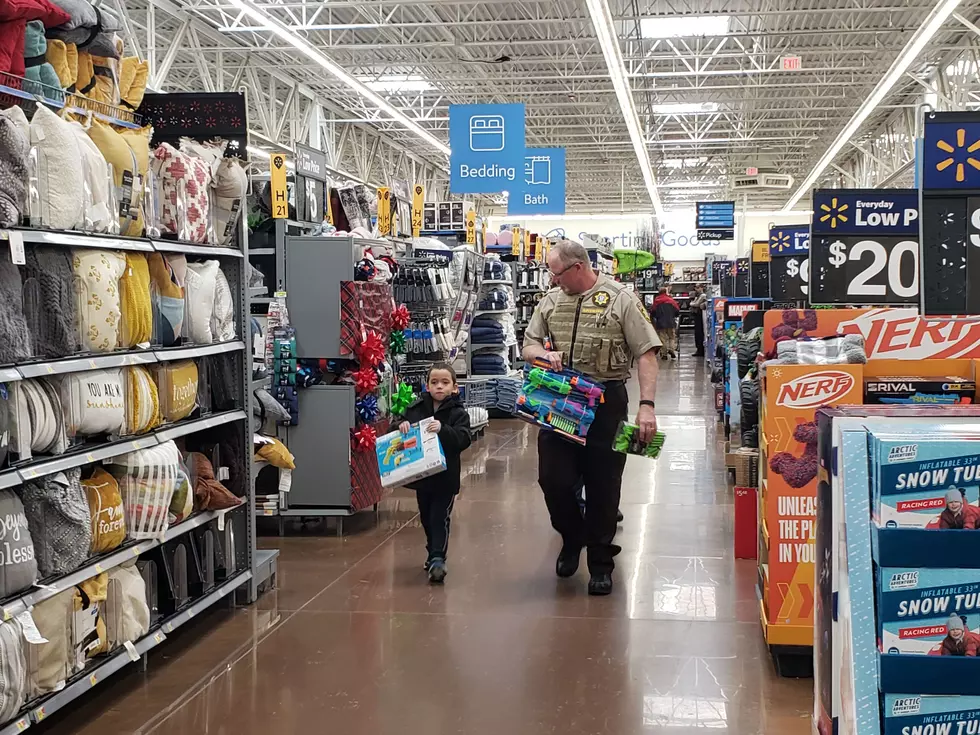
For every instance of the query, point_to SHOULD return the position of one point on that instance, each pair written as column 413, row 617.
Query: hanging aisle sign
column 542, row 188
column 418, row 200
column 949, row 183
column 865, row 247
column 487, row 144
column 278, row 196
column 384, row 211
column 789, row 266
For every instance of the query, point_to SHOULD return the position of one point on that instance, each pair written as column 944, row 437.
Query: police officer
column 593, row 324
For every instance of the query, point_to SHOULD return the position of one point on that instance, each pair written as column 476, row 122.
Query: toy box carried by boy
column 900, row 390
column 404, row 458
column 562, row 401
column 627, row 441
column 925, row 482
column 931, row 715
column 919, row 608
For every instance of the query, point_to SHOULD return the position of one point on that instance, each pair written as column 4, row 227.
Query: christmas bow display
column 400, row 317
column 396, row 343
column 365, row 438
column 365, row 380
column 402, row 398
column 367, row 408
column 371, row 351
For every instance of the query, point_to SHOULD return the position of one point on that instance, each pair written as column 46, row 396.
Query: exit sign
column 791, row 63
column 751, row 171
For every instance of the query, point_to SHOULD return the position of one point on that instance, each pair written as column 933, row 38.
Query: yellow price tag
column 158, row 638
column 384, row 211
column 98, row 569
column 22, row 724
column 277, row 186
column 40, row 714
column 418, row 202
column 6, row 614
column 136, row 551
column 93, row 680
column 471, row 228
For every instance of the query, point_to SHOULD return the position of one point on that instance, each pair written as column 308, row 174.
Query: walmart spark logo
column 952, row 158
column 780, row 241
column 834, row 212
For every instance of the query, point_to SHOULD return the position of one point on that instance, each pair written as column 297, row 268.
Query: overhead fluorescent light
column 684, row 108
column 684, row 162
column 313, row 27
column 937, row 16
column 691, row 185
column 609, row 43
column 309, row 51
column 685, row 26
column 395, row 83
column 690, row 192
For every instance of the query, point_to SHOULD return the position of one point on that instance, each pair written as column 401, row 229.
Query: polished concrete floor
column 355, row 642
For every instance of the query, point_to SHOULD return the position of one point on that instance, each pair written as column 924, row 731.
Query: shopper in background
column 595, row 325
column 437, row 493
column 698, row 304
column 665, row 314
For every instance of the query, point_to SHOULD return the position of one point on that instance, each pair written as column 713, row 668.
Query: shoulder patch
column 643, row 310
column 601, row 298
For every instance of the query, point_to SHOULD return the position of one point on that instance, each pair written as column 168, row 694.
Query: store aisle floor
column 354, row 641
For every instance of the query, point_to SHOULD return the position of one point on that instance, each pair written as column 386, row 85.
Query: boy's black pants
column 435, row 510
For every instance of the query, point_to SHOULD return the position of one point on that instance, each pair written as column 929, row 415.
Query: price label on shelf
column 864, row 270
column 788, row 277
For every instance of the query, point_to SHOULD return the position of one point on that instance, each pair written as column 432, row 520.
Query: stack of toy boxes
column 562, row 401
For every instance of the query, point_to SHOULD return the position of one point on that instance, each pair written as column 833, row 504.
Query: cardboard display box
column 404, row 458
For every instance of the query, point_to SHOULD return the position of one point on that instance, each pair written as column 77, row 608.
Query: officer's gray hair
column 570, row 253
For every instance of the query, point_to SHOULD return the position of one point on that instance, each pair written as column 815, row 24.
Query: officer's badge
column 600, row 299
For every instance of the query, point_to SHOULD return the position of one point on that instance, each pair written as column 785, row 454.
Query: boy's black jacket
column 454, row 437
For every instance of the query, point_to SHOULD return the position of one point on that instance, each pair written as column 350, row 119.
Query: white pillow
column 39, row 426
column 59, row 169
column 127, row 616
column 94, row 402
column 199, row 290
column 147, row 478
column 223, row 317
column 97, row 273
column 95, row 215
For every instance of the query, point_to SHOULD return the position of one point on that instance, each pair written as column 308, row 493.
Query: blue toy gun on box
column 561, row 401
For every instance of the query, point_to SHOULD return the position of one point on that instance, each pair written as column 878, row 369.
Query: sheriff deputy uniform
column 597, row 332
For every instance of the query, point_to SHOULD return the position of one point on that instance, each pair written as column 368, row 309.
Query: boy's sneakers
column 437, row 571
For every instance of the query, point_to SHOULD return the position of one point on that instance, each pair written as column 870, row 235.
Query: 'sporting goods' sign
column 541, row 187
column 487, row 144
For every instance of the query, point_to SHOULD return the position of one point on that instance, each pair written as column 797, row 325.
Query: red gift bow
column 372, row 350
column 366, row 438
column 400, row 317
column 365, row 380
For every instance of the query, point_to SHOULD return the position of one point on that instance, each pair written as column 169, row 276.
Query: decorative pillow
column 182, row 503
column 268, row 409
column 93, row 402
column 63, row 58
column 179, row 265
column 136, row 326
column 177, row 387
column 15, row 150
column 142, row 400
column 60, row 522
column 275, row 453
column 132, row 81
column 223, row 316
column 50, row 301
column 209, row 494
column 126, row 614
column 184, row 183
column 49, row 664
column 199, row 289
column 139, row 143
column 127, row 174
column 106, row 508
column 146, row 480
column 60, row 174
column 19, row 570
column 97, row 274
column 88, row 634
column 39, row 426
column 82, row 15
column 6, row 422
column 35, row 48
column 13, row 669
column 96, row 216
column 230, row 187
column 94, row 30
column 167, row 299
column 98, row 74
column 15, row 336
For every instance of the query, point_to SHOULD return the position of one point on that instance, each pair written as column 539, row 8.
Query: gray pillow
column 15, row 337
column 13, row 669
column 94, row 31
column 19, row 569
column 269, row 411
column 82, row 16
column 14, row 152
column 58, row 515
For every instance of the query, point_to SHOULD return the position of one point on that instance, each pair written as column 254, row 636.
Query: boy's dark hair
column 441, row 366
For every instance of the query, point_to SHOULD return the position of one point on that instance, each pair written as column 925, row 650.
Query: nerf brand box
column 928, row 482
column 931, row 715
column 404, row 458
column 919, row 609
column 949, row 390
column 561, row 401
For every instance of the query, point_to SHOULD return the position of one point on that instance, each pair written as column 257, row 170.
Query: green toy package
column 627, row 441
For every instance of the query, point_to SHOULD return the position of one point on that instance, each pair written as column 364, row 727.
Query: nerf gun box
column 627, row 441
column 925, row 482
column 404, row 458
column 899, row 390
column 563, row 402
column 907, row 714
column 919, row 608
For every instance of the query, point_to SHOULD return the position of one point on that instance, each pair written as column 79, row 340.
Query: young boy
column 437, row 493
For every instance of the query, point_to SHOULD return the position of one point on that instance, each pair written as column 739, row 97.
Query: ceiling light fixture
column 307, row 49
column 939, row 15
column 684, row 26
column 683, row 162
column 395, row 83
column 684, row 108
column 609, row 42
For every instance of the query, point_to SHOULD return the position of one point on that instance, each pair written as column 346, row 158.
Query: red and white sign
column 815, row 389
column 902, row 334
column 923, row 631
column 912, row 506
column 752, row 171
column 737, row 311
column 791, row 63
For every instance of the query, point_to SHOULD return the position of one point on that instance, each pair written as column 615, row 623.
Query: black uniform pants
column 436, row 510
column 563, row 467
column 699, row 332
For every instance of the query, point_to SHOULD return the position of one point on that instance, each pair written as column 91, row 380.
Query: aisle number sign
column 515, row 246
column 539, row 248
column 471, row 227
column 384, row 211
column 329, row 207
column 527, row 243
column 279, row 196
column 418, row 200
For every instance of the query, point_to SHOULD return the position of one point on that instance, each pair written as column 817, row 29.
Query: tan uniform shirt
column 598, row 331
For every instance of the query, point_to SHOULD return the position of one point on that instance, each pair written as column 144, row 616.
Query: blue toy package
column 404, row 458
column 931, row 715
column 915, row 608
column 562, row 401
column 925, row 482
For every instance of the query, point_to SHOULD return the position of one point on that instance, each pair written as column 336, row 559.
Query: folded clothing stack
column 489, row 363
column 506, row 391
column 495, row 299
column 487, row 335
column 495, row 270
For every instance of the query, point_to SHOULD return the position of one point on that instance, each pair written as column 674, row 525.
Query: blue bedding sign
column 541, row 189
column 487, row 144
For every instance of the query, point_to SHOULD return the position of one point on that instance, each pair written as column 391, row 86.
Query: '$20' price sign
column 859, row 270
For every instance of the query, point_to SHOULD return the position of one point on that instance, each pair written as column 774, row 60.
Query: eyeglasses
column 563, row 271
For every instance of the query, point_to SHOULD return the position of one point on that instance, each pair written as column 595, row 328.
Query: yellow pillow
column 177, row 385
column 105, row 505
column 136, row 324
column 139, row 143
column 142, row 400
column 88, row 626
column 64, row 58
column 132, row 81
column 276, row 454
column 127, row 171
